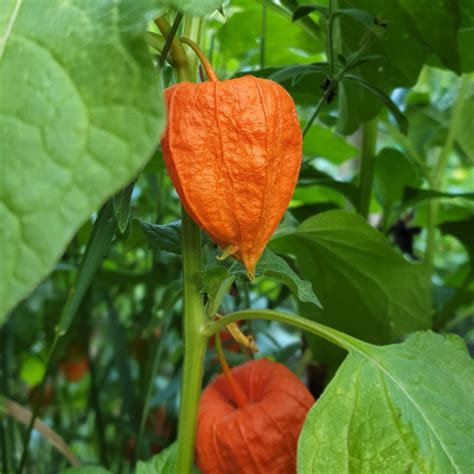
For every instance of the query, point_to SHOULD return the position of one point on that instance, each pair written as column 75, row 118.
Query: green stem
column 319, row 106
column 332, row 335
column 195, row 343
column 263, row 34
column 193, row 29
column 367, row 166
column 440, row 169
column 181, row 63
column 169, row 40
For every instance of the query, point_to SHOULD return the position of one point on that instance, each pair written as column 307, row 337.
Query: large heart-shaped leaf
column 366, row 288
column 398, row 408
column 80, row 114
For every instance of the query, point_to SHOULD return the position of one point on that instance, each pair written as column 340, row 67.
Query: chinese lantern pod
column 233, row 151
column 260, row 437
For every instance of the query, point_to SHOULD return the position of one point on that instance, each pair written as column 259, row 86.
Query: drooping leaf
column 362, row 16
column 162, row 463
column 86, row 470
column 311, row 176
column 305, row 88
column 466, row 35
column 218, row 279
column 80, row 114
column 216, row 283
column 367, row 289
column 295, row 73
column 437, row 24
column 464, row 232
column 285, row 42
column 401, row 120
column 405, row 55
column 393, row 173
column 305, row 10
column 412, row 196
column 166, row 237
column 122, row 206
column 464, row 135
column 322, row 142
column 399, row 408
column 274, row 266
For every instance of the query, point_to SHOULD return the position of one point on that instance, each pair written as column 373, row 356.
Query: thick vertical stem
column 194, row 345
column 440, row 169
column 195, row 342
column 367, row 166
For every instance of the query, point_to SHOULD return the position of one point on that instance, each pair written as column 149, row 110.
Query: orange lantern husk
column 260, row 435
column 233, row 151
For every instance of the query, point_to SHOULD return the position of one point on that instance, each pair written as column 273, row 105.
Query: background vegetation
column 392, row 144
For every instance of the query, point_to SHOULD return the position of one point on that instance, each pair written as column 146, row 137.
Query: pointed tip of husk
column 251, row 270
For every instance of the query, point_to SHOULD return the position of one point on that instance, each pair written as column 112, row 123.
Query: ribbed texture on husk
column 233, row 151
column 261, row 437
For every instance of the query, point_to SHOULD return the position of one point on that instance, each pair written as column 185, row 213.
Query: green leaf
column 393, row 172
column 323, row 142
column 400, row 408
column 301, row 87
column 216, row 283
column 295, row 73
column 437, row 25
column 367, row 289
column 163, row 237
column 404, row 52
column 274, row 266
column 285, row 42
column 166, row 237
column 122, row 206
column 361, row 16
column 311, row 176
column 464, row 232
column 80, row 114
column 304, row 10
column 412, row 196
column 466, row 35
column 401, row 120
column 464, row 135
column 162, row 463
column 86, row 470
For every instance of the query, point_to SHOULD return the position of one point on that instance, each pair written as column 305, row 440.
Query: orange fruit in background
column 75, row 364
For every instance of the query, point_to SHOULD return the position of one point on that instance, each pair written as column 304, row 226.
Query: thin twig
column 24, row 416
column 169, row 39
